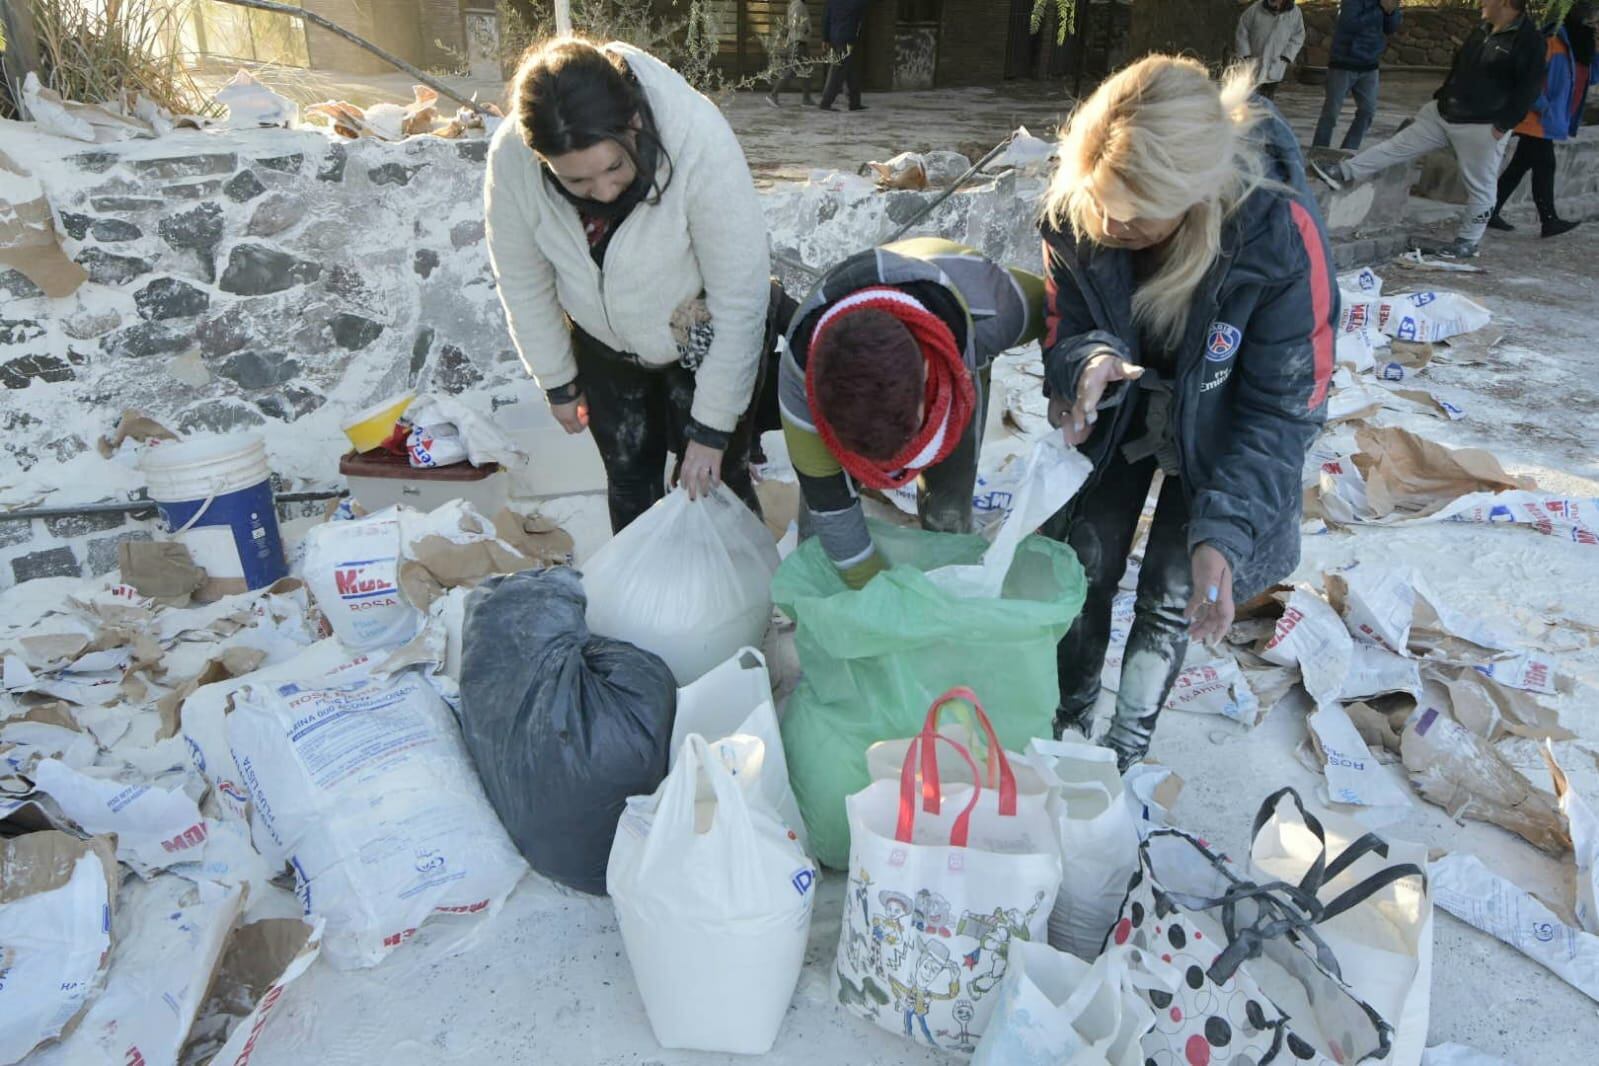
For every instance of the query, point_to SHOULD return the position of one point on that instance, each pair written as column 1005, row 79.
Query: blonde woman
column 1189, row 331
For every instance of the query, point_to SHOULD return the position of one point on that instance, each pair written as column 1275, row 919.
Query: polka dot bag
column 1234, row 970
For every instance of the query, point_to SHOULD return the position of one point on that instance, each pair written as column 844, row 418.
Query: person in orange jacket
column 1555, row 116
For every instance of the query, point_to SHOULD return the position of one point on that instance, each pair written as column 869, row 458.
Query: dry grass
column 99, row 51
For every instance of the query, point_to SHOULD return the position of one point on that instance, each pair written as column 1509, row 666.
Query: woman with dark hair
column 630, row 253
column 1555, row 116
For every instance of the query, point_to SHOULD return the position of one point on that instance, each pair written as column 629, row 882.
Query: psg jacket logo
column 1222, row 342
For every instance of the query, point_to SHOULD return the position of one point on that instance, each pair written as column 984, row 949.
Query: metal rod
column 135, row 506
column 952, row 190
column 361, row 42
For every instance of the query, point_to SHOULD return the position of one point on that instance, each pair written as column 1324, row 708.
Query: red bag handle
column 998, row 764
column 907, row 791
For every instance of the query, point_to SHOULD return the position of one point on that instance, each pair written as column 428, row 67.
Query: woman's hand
column 574, row 416
column 1210, row 608
column 701, row 471
column 1101, row 370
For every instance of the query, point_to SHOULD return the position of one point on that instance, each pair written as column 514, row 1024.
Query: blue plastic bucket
column 215, row 496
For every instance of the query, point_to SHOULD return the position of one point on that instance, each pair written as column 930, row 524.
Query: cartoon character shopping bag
column 942, row 879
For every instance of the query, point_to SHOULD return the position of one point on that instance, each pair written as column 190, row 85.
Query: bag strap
column 1323, row 873
column 999, row 768
column 907, row 790
column 1317, row 874
column 1358, row 894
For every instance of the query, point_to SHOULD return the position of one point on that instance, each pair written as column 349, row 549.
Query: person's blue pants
column 922, row 1018
column 1340, row 83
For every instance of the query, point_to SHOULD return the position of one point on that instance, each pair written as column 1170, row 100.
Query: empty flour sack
column 362, row 785
column 564, row 726
column 690, row 580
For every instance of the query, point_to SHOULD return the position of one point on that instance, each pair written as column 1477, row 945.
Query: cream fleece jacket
column 706, row 236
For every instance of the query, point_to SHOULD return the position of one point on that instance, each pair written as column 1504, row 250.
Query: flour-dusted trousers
column 1476, row 149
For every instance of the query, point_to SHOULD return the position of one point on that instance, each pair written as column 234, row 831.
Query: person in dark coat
column 1189, row 331
column 1360, row 37
column 1555, row 116
column 841, row 31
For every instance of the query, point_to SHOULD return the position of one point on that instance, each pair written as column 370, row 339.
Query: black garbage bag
column 563, row 726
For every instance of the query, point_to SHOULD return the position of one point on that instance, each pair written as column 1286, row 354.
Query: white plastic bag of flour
column 353, row 571
column 690, row 580
column 713, row 896
column 363, row 786
column 1425, row 317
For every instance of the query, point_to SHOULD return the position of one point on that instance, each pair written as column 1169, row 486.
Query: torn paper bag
column 1310, row 635
column 1583, row 824
column 154, row 827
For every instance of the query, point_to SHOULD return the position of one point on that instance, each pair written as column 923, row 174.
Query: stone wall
column 277, row 281
column 1427, row 36
column 973, row 42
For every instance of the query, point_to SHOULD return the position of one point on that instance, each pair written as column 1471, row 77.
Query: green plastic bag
column 877, row 658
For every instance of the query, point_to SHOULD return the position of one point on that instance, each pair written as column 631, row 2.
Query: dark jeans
column 841, row 72
column 1340, row 83
column 1536, row 154
column 1100, row 526
column 638, row 414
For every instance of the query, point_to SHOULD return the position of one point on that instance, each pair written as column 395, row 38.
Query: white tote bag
column 1098, row 842
column 690, row 580
column 713, row 896
column 1383, row 944
column 974, row 733
column 1057, row 1010
column 943, row 879
column 735, row 699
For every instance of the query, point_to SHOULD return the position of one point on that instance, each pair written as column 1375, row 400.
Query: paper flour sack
column 364, row 787
column 353, row 570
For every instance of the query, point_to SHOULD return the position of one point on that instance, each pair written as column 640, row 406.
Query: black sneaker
column 1556, row 226
column 1498, row 222
column 858, row 107
column 1460, row 248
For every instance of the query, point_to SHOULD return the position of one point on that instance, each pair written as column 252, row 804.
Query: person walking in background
column 793, row 60
column 841, row 32
column 1359, row 39
column 1554, row 117
column 1496, row 75
column 1270, row 32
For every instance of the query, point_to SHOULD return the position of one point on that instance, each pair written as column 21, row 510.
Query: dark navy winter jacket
column 842, row 20
column 1361, row 34
column 1252, row 372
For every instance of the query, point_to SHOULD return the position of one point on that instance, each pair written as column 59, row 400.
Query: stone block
column 456, row 372
column 224, row 333
column 276, row 213
column 466, row 233
column 93, row 162
column 219, row 416
column 19, row 330
column 475, row 151
column 68, row 527
column 24, row 370
column 287, row 164
column 52, row 562
column 125, row 204
column 15, row 532
column 166, row 298
column 199, row 228
column 294, row 402
column 101, row 554
column 332, row 168
column 112, row 230
column 18, row 285
column 255, row 269
column 392, row 173
column 144, row 339
column 259, row 370
column 424, row 261
column 87, row 323
column 353, row 332
column 76, row 225
column 194, row 190
column 187, row 166
column 244, row 187
column 107, row 268
column 419, row 350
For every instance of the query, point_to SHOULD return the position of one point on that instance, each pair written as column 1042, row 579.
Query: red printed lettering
column 191, row 836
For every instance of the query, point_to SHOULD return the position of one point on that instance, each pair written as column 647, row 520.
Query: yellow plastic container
column 370, row 428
